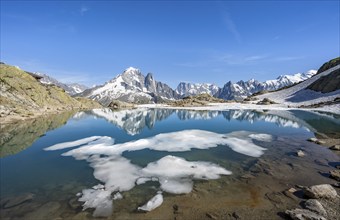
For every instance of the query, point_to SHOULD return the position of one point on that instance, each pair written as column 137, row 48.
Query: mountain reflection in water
column 133, row 121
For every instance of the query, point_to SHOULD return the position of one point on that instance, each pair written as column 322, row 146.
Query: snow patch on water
column 174, row 174
column 153, row 203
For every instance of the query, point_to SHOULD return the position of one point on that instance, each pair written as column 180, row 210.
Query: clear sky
column 193, row 41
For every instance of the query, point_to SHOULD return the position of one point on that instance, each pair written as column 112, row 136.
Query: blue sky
column 193, row 41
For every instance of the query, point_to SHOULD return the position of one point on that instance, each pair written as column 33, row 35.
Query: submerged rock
column 74, row 203
column 315, row 206
column 211, row 215
column 304, row 214
column 18, row 200
column 320, row 191
column 46, row 211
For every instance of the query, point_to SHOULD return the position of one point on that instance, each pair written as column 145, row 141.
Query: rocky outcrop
column 332, row 63
column 304, row 214
column 23, row 96
column 116, row 105
column 199, row 100
column 321, row 191
column 328, row 83
column 266, row 101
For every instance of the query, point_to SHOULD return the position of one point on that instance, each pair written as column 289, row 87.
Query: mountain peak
column 131, row 69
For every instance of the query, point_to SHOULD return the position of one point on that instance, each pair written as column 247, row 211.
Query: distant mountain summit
column 72, row 88
column 190, row 89
column 242, row 89
column 131, row 86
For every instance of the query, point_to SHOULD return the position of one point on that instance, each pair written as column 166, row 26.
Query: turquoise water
column 50, row 176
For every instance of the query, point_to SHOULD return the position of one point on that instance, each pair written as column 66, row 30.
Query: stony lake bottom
column 234, row 164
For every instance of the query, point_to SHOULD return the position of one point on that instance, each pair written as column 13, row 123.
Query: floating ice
column 99, row 199
column 79, row 142
column 153, row 203
column 118, row 195
column 261, row 137
column 174, row 174
column 178, row 141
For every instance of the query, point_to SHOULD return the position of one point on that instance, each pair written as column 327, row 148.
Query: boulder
column 304, row 214
column 335, row 174
column 335, row 147
column 300, row 153
column 312, row 140
column 315, row 206
column 320, row 191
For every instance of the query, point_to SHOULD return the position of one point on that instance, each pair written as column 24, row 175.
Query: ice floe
column 174, row 174
column 153, row 203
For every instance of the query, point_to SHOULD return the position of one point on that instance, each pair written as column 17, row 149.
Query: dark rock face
column 328, row 83
column 332, row 63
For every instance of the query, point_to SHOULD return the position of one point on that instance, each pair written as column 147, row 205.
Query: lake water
column 103, row 163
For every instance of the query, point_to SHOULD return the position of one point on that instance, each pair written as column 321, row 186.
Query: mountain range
column 133, row 86
column 71, row 88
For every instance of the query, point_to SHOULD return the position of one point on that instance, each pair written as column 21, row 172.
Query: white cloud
column 83, row 10
column 231, row 26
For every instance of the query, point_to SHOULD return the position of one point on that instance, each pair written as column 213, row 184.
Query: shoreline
column 335, row 109
column 10, row 119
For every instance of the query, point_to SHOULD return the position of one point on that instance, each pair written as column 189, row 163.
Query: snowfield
column 298, row 95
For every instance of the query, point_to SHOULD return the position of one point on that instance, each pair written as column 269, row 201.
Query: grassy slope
column 22, row 95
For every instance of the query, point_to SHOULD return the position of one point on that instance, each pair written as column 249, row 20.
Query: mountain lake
column 162, row 163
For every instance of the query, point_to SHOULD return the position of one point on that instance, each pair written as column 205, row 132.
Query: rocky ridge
column 23, row 96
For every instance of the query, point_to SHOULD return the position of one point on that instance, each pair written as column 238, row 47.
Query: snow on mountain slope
column 241, row 89
column 299, row 94
column 77, row 88
column 131, row 86
column 71, row 89
column 187, row 89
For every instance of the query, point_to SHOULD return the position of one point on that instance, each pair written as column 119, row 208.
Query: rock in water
column 312, row 140
column 315, row 206
column 321, row 191
column 304, row 214
column 335, row 147
column 335, row 174
column 300, row 153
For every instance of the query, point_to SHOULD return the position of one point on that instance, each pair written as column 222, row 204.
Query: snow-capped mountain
column 77, row 88
column 241, row 89
column 307, row 92
column 186, row 89
column 72, row 88
column 131, row 86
